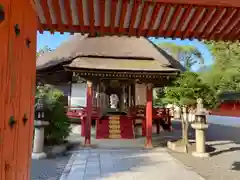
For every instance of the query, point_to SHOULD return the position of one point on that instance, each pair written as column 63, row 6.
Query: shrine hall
column 110, row 80
column 21, row 19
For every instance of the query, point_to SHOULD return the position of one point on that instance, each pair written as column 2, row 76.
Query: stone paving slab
column 126, row 164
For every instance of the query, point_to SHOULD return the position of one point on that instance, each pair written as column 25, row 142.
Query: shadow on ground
column 236, row 166
column 48, row 169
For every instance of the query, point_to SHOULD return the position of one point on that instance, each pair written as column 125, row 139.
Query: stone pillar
column 38, row 143
column 149, row 104
column 200, row 140
column 200, row 125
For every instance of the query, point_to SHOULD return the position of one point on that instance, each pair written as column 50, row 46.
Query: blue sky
column 55, row 40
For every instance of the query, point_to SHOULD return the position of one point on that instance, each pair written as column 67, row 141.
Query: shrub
column 59, row 127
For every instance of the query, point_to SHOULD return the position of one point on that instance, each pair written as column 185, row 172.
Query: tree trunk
column 185, row 128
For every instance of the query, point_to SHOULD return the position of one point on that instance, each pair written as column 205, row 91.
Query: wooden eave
column 96, row 73
column 200, row 19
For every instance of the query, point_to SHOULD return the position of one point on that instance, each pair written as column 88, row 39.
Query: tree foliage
column 186, row 89
column 43, row 50
column 224, row 74
column 187, row 55
column 59, row 127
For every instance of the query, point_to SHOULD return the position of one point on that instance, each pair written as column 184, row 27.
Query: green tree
column 224, row 75
column 43, row 50
column 187, row 55
column 184, row 92
column 59, row 128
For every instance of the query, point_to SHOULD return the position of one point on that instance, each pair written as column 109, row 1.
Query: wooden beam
column 225, row 3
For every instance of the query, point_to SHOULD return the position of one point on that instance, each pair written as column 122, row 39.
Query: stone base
column 177, row 148
column 148, row 146
column 200, row 155
column 38, row 156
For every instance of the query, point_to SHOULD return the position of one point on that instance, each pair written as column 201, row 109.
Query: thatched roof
column 111, row 53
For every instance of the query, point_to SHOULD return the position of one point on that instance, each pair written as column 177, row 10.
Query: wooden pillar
column 149, row 104
column 98, row 95
column 89, row 114
column 18, row 32
column 129, row 96
column 122, row 104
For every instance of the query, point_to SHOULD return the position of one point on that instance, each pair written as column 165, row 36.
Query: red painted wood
column 91, row 15
column 231, row 108
column 143, row 18
column 122, row 16
column 80, row 14
column 102, row 129
column 68, row 13
column 113, row 15
column 102, row 15
column 4, row 36
column 227, row 3
column 212, row 23
column 153, row 19
column 17, row 83
column 192, row 23
column 220, row 32
column 126, row 128
column 164, row 19
column 88, row 114
column 182, row 20
column 46, row 12
column 57, row 11
column 173, row 20
column 221, row 22
column 203, row 22
column 133, row 17
column 230, row 25
column 149, row 116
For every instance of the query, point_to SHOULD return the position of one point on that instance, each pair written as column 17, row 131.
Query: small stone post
column 39, row 125
column 200, row 125
column 38, row 143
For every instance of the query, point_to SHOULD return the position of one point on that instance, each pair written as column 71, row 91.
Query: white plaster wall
column 141, row 95
column 78, row 94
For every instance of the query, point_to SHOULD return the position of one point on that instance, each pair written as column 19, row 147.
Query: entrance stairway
column 115, row 127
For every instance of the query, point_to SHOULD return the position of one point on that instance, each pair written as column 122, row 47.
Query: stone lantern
column 200, row 125
column 39, row 124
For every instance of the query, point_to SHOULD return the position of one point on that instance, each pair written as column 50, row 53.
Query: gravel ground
column 224, row 164
column 48, row 169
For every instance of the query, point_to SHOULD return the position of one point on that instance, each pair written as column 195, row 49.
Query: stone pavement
column 125, row 164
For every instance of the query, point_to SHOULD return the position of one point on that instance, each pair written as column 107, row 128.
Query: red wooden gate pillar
column 18, row 33
column 149, row 104
column 89, row 114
